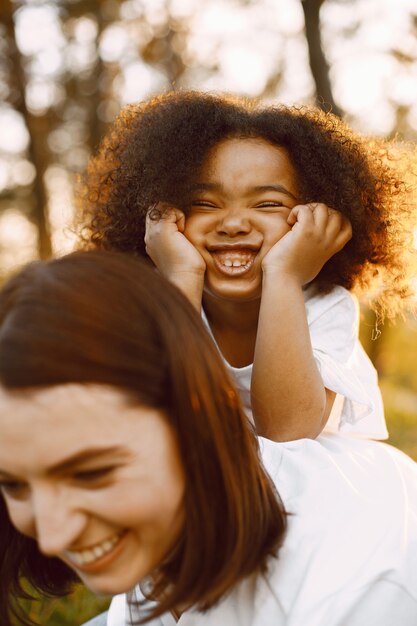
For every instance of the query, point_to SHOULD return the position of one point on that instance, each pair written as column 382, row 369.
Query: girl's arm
column 289, row 400
column 174, row 256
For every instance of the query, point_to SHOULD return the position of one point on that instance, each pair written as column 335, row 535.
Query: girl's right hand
column 168, row 247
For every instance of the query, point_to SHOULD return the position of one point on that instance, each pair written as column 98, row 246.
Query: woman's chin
column 110, row 586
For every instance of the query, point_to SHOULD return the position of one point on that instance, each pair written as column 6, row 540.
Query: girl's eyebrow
column 207, row 187
column 274, row 187
column 258, row 189
column 79, row 458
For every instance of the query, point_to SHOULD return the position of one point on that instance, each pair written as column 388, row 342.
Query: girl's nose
column 58, row 525
column 234, row 222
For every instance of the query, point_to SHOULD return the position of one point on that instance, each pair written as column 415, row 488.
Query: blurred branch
column 37, row 129
column 318, row 63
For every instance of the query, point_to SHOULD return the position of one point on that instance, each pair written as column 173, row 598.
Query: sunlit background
column 67, row 66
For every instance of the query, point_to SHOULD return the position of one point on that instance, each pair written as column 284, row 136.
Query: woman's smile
column 97, row 556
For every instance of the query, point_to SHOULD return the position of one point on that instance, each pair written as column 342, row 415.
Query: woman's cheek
column 21, row 516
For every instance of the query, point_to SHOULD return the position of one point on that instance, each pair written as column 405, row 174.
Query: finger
column 162, row 212
column 301, row 213
column 345, row 233
column 321, row 213
column 334, row 223
column 338, row 231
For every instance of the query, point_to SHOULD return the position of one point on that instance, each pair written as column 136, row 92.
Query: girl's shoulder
column 339, row 303
column 312, row 295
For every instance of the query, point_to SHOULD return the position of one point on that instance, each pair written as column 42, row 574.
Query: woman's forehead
column 42, row 427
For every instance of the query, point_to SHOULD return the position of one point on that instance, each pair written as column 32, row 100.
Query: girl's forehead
column 253, row 158
column 240, row 148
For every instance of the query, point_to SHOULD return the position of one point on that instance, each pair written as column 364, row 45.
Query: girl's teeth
column 230, row 263
column 235, row 258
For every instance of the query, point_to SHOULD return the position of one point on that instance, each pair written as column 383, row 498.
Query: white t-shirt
column 349, row 556
column 333, row 321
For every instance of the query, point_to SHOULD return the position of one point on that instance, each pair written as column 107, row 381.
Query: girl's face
column 96, row 480
column 241, row 202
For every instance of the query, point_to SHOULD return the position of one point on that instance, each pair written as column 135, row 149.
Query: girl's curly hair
column 155, row 149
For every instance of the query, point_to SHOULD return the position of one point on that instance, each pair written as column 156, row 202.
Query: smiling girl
column 265, row 217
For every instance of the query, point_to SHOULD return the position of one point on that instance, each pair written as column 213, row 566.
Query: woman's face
column 96, row 480
column 240, row 206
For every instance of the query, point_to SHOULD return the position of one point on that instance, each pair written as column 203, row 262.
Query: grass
column 401, row 416
column 73, row 610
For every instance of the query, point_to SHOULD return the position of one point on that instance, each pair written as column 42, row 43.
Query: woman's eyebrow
column 87, row 455
column 6, row 476
column 77, row 459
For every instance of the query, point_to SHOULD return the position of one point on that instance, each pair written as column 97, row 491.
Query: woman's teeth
column 84, row 557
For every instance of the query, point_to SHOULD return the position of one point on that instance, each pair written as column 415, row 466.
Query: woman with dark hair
column 265, row 217
column 101, row 346
column 126, row 461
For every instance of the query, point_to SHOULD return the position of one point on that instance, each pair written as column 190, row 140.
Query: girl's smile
column 240, row 207
column 234, row 259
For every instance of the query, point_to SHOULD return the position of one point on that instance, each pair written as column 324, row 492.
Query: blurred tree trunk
column 96, row 126
column 318, row 63
column 37, row 128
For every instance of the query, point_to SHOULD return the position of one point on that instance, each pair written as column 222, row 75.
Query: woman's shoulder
column 351, row 507
column 344, row 467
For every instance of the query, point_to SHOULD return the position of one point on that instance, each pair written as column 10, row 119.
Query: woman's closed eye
column 13, row 488
column 93, row 476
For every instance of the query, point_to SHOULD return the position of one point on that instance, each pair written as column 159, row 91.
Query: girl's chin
column 233, row 290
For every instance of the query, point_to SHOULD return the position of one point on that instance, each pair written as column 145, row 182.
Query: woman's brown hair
column 97, row 317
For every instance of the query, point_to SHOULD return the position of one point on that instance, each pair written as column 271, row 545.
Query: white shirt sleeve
column 344, row 366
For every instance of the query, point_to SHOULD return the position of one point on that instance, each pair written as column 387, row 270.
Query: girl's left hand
column 317, row 233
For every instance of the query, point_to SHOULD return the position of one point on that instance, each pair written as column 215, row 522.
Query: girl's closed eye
column 204, row 204
column 272, row 206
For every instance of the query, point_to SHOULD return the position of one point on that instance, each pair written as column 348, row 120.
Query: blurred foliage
column 394, row 355
column 66, row 66
column 73, row 610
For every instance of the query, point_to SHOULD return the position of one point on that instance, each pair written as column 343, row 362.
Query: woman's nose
column 58, row 524
column 234, row 222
